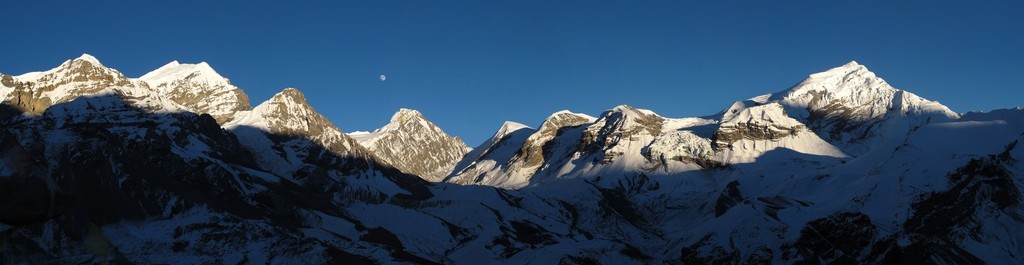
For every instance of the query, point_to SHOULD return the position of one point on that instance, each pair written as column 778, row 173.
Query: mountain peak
column 406, row 114
column 851, row 69
column 88, row 58
column 511, row 126
column 414, row 145
column 629, row 113
column 175, row 70
column 507, row 128
column 287, row 113
column 623, row 108
column 565, row 118
column 290, row 95
column 199, row 88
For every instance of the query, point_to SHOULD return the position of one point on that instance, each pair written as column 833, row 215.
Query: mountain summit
column 287, row 113
column 34, row 92
column 852, row 107
column 414, row 145
column 199, row 88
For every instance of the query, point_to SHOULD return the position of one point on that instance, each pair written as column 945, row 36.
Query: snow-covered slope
column 199, row 88
column 414, row 145
column 518, row 159
column 487, row 163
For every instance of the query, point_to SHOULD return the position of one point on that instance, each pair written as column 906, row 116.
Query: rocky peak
column 851, row 81
column 844, row 105
column 34, row 92
column 286, row 112
column 175, row 71
column 290, row 95
column 628, row 120
column 405, row 114
column 82, row 69
column 415, row 145
column 854, row 92
column 289, row 111
column 565, row 118
column 79, row 69
column 88, row 59
column 199, row 88
column 630, row 114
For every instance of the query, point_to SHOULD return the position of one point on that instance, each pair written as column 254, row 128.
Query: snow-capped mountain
column 841, row 168
column 845, row 109
column 853, row 108
column 414, row 145
column 199, row 88
column 34, row 92
column 287, row 113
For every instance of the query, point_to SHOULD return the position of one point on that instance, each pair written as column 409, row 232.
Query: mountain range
column 177, row 167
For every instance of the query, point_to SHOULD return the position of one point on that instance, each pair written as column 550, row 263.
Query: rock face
column 538, row 147
column 752, row 131
column 128, row 174
column 683, row 146
column 623, row 125
column 198, row 88
column 766, row 122
column 414, row 145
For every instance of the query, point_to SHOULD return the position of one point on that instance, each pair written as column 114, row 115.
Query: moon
column 382, row 78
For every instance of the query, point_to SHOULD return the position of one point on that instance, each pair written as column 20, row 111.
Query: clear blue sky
column 469, row 66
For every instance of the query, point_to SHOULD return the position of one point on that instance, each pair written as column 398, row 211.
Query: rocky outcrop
column 488, row 163
column 683, row 146
column 760, row 123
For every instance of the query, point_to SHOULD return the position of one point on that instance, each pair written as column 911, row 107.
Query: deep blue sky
column 469, row 66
